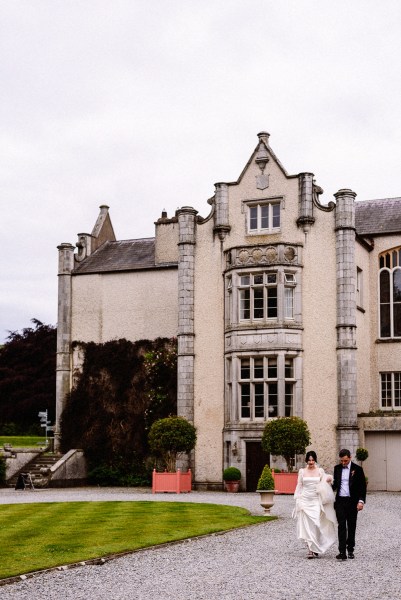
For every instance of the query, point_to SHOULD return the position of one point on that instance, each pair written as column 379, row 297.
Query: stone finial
column 264, row 137
column 262, row 158
column 84, row 246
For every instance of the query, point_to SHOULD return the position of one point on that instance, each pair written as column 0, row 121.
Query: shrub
column 286, row 436
column 106, row 475
column 169, row 438
column 266, row 481
column 231, row 474
column 361, row 454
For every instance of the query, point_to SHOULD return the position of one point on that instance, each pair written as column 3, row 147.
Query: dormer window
column 263, row 217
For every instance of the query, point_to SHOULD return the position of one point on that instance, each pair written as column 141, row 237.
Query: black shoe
column 351, row 555
column 341, row 556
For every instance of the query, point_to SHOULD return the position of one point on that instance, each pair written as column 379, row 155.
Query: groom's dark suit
column 346, row 506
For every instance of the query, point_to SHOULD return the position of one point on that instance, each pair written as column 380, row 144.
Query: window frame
column 359, row 288
column 259, row 205
column 268, row 301
column 250, row 303
column 246, row 381
column 390, row 383
column 389, row 309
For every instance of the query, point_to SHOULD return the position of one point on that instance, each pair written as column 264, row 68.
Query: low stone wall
column 17, row 458
column 70, row 470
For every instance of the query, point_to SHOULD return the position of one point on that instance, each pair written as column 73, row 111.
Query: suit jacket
column 357, row 482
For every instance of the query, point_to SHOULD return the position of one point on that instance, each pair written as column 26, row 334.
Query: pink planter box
column 285, row 483
column 171, row 482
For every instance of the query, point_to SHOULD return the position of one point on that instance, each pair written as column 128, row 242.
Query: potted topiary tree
column 286, row 436
column 231, row 477
column 361, row 454
column 168, row 439
column 266, row 489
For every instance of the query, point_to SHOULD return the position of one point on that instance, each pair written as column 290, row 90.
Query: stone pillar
column 306, row 218
column 186, row 331
column 63, row 366
column 221, row 226
column 347, row 427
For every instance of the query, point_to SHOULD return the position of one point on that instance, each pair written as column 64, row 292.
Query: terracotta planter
column 267, row 499
column 285, row 483
column 171, row 482
column 231, row 486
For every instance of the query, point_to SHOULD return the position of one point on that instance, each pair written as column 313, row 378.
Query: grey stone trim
column 253, row 341
column 305, row 209
column 347, row 429
column 186, row 282
column 221, row 220
column 348, row 437
column 63, row 360
column 264, row 255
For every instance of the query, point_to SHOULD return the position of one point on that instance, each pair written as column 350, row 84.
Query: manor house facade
column 281, row 305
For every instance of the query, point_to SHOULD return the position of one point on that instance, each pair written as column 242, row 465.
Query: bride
column 314, row 511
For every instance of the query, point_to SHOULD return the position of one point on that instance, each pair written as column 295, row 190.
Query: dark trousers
column 347, row 514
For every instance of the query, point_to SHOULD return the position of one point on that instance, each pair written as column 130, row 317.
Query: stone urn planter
column 266, row 489
column 266, row 499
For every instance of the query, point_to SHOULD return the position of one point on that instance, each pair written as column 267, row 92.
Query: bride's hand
column 329, row 479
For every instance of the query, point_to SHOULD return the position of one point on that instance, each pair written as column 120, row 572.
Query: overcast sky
column 143, row 106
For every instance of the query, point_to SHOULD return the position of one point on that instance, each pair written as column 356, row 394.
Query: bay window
column 261, row 385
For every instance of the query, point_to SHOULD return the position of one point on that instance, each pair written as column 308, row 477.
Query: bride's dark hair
column 311, row 454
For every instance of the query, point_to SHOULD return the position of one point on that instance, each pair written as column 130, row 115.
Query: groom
column 350, row 484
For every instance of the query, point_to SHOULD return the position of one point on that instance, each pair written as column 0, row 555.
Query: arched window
column 390, row 293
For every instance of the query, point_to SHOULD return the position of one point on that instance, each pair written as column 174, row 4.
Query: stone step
column 38, row 470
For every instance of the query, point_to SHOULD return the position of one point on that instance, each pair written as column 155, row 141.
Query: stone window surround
column 233, row 287
column 394, row 379
column 267, row 201
column 391, row 272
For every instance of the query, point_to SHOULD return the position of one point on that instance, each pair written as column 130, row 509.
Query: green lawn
column 42, row 535
column 21, row 441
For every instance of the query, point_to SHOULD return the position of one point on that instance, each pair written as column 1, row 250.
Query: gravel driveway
column 259, row 562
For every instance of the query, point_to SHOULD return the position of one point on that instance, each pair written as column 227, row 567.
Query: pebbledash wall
column 273, row 297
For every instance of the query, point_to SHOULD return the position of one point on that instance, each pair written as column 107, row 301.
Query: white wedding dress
column 316, row 522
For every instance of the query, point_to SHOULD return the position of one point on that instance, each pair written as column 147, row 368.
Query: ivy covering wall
column 123, row 388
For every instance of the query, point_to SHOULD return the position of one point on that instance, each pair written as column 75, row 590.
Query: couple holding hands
column 328, row 506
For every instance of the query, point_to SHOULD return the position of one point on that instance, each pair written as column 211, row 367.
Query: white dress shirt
column 344, row 487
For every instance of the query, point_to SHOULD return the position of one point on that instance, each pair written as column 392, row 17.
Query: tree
column 170, row 437
column 286, row 436
column 28, row 376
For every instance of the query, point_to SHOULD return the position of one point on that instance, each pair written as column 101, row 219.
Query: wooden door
column 256, row 459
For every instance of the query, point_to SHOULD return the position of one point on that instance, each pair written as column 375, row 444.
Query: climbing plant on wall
column 123, row 388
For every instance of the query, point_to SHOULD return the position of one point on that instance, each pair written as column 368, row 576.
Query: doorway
column 256, row 459
column 383, row 466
